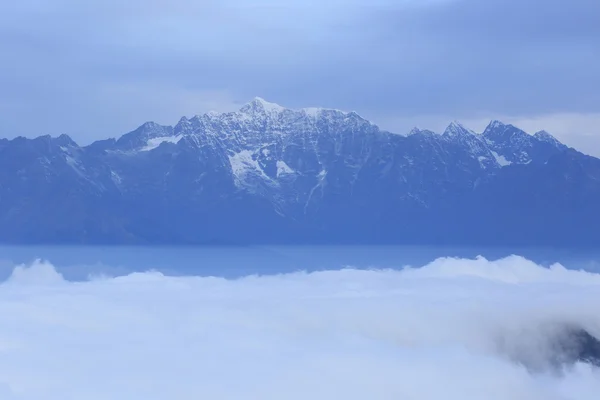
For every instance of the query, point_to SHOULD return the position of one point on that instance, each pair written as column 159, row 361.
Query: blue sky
column 100, row 68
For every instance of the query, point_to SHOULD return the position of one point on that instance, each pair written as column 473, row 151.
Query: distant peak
column 456, row 128
column 414, row 131
column 544, row 136
column 259, row 99
column 150, row 125
column 151, row 128
column 419, row 131
column 43, row 138
column 495, row 129
column 65, row 140
column 184, row 123
column 258, row 104
column 495, row 124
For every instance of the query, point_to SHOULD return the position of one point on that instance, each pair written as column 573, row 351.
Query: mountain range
column 266, row 174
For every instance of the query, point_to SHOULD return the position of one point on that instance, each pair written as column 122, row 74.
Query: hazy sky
column 100, row 68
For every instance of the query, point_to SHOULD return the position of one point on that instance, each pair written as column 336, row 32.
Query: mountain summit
column 267, row 174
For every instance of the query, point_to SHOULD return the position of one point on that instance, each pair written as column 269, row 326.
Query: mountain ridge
column 259, row 102
column 268, row 174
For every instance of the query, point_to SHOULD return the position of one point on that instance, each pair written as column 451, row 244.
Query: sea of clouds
column 453, row 329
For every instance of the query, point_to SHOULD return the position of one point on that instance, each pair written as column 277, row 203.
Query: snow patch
column 484, row 161
column 243, row 164
column 283, row 169
column 75, row 164
column 501, row 159
column 116, row 178
column 320, row 185
column 312, row 111
column 153, row 143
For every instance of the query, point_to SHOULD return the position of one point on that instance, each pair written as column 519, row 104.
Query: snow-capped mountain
column 516, row 146
column 269, row 174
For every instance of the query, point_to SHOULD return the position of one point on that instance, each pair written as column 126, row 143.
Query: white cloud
column 456, row 329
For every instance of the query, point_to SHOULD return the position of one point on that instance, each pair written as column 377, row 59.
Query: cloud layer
column 66, row 67
column 454, row 329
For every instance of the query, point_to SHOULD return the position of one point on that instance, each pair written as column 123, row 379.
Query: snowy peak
column 504, row 134
column 517, row 146
column 414, row 131
column 546, row 137
column 457, row 129
column 260, row 105
column 496, row 129
column 495, row 124
column 422, row 133
column 262, row 124
column 500, row 132
column 148, row 133
column 184, row 126
column 473, row 143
